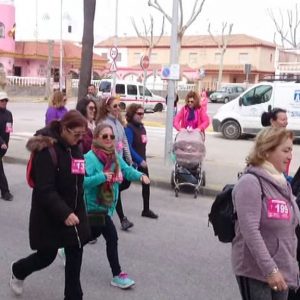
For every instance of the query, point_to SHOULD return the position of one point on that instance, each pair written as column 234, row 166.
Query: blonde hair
column 58, row 99
column 267, row 141
column 104, row 110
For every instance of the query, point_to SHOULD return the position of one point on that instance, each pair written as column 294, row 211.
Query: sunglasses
column 76, row 134
column 4, row 100
column 116, row 105
column 106, row 136
column 140, row 113
column 92, row 108
column 192, row 102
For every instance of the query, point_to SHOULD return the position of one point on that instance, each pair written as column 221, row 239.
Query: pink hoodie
column 180, row 120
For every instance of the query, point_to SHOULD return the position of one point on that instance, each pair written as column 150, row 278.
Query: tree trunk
column 87, row 47
column 220, row 69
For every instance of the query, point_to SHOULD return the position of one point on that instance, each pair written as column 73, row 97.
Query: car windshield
column 223, row 90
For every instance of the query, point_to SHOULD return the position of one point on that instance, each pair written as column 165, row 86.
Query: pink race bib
column 278, row 209
column 120, row 146
column 9, row 127
column 144, row 138
column 77, row 166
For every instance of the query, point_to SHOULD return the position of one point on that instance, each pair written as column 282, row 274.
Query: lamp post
column 61, row 49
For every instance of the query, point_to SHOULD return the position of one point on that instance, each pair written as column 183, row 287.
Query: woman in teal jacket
column 104, row 173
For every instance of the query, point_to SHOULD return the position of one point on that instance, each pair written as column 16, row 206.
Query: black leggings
column 119, row 208
column 43, row 258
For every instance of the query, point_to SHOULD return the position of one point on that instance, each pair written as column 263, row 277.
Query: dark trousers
column 145, row 189
column 110, row 235
column 252, row 289
column 43, row 258
column 3, row 181
column 119, row 208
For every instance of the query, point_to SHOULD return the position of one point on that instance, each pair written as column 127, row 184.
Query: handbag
column 96, row 218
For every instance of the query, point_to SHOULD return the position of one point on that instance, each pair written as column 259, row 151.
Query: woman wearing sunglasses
column 104, row 173
column 137, row 139
column 58, row 216
column 110, row 113
column 192, row 115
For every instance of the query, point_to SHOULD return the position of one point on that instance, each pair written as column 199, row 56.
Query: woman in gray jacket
column 264, row 248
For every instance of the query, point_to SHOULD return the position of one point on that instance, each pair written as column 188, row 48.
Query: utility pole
column 171, row 85
column 61, row 49
column 115, row 45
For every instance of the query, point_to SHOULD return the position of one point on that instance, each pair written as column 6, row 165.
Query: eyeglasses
column 92, row 108
column 4, row 100
column 139, row 113
column 105, row 136
column 76, row 135
column 116, row 105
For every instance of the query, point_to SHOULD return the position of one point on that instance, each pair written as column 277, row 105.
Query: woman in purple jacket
column 264, row 248
column 56, row 109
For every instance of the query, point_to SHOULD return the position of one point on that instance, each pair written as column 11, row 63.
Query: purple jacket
column 263, row 242
column 54, row 113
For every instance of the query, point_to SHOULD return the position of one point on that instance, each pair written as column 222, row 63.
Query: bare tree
column 87, row 47
column 147, row 34
column 287, row 25
column 197, row 8
column 222, row 43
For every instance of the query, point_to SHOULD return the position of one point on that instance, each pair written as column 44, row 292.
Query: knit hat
column 3, row 95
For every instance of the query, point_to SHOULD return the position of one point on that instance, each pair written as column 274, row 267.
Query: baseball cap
column 3, row 95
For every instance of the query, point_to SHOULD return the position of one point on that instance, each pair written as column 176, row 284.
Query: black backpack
column 222, row 215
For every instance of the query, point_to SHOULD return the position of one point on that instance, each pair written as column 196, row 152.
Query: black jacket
column 57, row 193
column 5, row 118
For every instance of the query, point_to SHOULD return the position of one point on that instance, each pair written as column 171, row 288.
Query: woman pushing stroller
column 192, row 115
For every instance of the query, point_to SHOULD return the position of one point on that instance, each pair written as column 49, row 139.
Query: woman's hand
column 143, row 164
column 145, row 179
column 109, row 175
column 277, row 282
column 71, row 220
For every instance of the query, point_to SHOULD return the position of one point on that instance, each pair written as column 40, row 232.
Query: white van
column 132, row 92
column 243, row 114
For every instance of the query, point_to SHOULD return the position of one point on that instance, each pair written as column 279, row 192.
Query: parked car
column 226, row 93
column 132, row 92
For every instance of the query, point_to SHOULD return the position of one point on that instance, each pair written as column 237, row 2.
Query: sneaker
column 7, row 196
column 126, row 224
column 122, row 281
column 62, row 255
column 94, row 241
column 149, row 214
column 15, row 284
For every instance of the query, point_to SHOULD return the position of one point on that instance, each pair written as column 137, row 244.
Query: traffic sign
column 171, row 72
column 113, row 53
column 145, row 62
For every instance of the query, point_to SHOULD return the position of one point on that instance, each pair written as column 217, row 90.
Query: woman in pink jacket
column 192, row 115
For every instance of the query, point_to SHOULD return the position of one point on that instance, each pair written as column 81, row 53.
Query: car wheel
column 122, row 106
column 158, row 107
column 231, row 130
column 226, row 100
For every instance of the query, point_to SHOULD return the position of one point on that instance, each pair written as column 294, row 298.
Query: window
column 105, row 87
column 147, row 92
column 271, row 57
column 217, row 57
column 258, row 95
column 193, row 58
column 137, row 57
column 132, row 89
column 154, row 57
column 243, row 58
column 2, row 30
column 240, row 89
column 119, row 57
column 120, row 89
column 104, row 55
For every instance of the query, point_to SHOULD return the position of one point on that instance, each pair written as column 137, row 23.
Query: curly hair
column 131, row 111
column 195, row 96
column 103, row 110
column 83, row 104
column 267, row 141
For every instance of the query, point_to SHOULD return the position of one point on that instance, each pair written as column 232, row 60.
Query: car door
column 252, row 104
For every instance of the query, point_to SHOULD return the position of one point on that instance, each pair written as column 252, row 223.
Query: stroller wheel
column 203, row 181
column 176, row 192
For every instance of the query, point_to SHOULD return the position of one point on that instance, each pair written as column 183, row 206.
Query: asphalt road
column 174, row 257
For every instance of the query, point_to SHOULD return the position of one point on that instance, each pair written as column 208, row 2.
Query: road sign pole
column 171, row 86
column 144, row 86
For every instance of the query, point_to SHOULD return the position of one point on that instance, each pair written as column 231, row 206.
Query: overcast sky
column 41, row 18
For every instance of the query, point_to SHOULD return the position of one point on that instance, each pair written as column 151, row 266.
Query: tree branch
column 157, row 6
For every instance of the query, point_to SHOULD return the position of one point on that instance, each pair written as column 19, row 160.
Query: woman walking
column 56, row 109
column 57, row 217
column 104, row 173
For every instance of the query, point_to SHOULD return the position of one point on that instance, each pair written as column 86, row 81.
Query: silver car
column 226, row 93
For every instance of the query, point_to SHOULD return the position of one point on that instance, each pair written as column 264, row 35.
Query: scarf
column 191, row 115
column 107, row 156
column 279, row 177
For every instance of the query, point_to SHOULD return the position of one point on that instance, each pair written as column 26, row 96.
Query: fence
column 26, row 81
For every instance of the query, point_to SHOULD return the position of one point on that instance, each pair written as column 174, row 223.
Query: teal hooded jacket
column 94, row 176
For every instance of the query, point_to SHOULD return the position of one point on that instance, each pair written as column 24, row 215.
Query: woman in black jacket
column 57, row 216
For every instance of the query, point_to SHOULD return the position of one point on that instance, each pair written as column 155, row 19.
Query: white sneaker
column 15, row 284
column 62, row 255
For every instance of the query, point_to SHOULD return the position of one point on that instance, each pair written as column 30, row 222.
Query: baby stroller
column 189, row 152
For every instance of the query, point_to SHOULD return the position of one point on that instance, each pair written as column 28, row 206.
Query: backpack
column 29, row 168
column 222, row 215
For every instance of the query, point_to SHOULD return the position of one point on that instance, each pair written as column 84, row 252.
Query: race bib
column 77, row 166
column 9, row 127
column 120, row 146
column 278, row 209
column 144, row 138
